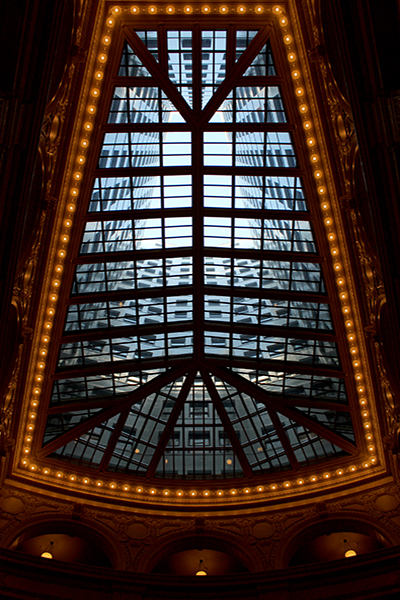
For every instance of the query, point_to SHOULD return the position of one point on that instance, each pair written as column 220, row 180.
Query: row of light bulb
column 77, row 178
column 188, row 9
column 298, row 483
column 329, row 228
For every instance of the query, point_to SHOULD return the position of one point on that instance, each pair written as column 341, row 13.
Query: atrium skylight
column 198, row 336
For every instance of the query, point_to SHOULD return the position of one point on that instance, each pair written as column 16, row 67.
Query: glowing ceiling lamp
column 202, row 570
column 348, row 550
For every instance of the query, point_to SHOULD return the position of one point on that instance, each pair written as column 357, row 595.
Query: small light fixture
column 47, row 553
column 202, row 569
column 348, row 550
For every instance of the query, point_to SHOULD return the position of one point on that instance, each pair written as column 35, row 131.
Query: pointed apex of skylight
column 263, row 64
column 199, row 446
column 131, row 65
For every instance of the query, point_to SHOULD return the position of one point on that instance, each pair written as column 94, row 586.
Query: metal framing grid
column 198, row 340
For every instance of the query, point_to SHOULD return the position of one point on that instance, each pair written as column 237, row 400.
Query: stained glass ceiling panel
column 198, row 248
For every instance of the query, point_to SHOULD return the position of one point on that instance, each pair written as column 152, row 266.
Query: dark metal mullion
column 113, row 441
column 198, row 226
column 277, row 255
column 130, row 294
column 136, row 396
column 284, row 440
column 230, row 48
column 183, row 170
column 162, row 48
column 272, row 331
column 66, row 407
column 245, row 127
column 115, row 332
column 218, row 405
column 169, row 427
column 269, row 365
column 144, row 128
column 120, row 256
column 256, row 214
column 267, row 294
column 197, row 59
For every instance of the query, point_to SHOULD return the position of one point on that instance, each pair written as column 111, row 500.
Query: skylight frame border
column 53, row 279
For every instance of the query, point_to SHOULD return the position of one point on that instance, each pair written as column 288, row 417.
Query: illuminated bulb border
column 77, row 177
column 292, row 485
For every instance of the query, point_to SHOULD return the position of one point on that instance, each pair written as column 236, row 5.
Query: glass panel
column 180, row 62
column 302, row 385
column 263, row 64
column 124, row 236
column 131, row 65
column 88, row 448
column 243, row 39
column 264, row 149
column 97, row 387
column 260, row 442
column 142, row 429
column 273, row 275
column 274, row 313
column 259, row 347
column 308, row 446
column 199, row 448
column 59, row 424
column 149, row 38
column 213, row 46
column 255, row 104
column 337, row 421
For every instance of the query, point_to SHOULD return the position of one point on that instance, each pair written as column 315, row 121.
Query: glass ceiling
column 198, row 340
